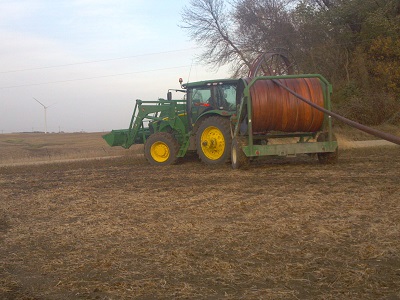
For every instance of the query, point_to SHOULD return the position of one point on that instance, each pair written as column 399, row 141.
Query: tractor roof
column 209, row 82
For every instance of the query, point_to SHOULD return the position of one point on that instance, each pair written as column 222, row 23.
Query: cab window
column 200, row 96
column 226, row 95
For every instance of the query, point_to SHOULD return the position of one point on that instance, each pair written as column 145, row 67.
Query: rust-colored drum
column 274, row 109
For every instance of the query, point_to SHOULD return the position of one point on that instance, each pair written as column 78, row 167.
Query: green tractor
column 234, row 120
column 169, row 128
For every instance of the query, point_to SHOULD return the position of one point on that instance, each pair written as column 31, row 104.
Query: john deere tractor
column 236, row 119
column 169, row 128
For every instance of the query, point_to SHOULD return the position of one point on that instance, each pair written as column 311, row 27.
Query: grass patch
column 17, row 141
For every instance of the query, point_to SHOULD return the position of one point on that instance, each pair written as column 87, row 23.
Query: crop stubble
column 283, row 229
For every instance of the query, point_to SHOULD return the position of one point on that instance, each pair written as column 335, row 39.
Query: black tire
column 213, row 140
column 327, row 158
column 161, row 149
column 238, row 158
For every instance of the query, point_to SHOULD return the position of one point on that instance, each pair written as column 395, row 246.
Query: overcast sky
column 89, row 60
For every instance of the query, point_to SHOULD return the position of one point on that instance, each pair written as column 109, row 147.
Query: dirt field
column 33, row 148
column 119, row 228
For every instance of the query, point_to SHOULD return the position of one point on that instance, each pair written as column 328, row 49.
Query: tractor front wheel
column 161, row 148
column 213, row 140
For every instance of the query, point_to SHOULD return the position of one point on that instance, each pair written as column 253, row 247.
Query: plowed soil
column 285, row 228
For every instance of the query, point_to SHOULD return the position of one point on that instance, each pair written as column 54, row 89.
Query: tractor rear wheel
column 238, row 158
column 213, row 140
column 161, row 148
column 327, row 158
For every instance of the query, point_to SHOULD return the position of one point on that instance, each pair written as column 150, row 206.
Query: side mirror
column 169, row 96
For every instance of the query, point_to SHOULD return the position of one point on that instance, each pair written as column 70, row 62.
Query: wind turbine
column 45, row 113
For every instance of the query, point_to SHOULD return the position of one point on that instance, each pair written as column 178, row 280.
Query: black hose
column 386, row 136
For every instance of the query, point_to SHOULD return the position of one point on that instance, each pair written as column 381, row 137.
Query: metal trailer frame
column 303, row 146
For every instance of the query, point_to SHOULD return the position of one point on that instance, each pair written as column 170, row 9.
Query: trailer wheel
column 213, row 140
column 327, row 157
column 161, row 148
column 238, row 158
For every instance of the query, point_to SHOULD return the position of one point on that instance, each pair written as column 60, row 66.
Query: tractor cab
column 210, row 97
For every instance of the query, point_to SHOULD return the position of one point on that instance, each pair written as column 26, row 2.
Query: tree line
column 355, row 44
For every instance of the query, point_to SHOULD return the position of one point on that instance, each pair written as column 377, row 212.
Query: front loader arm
column 161, row 113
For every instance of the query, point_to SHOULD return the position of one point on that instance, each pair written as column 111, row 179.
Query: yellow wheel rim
column 212, row 143
column 159, row 151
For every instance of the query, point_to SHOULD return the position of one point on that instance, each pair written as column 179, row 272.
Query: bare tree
column 238, row 34
column 208, row 24
column 264, row 24
column 321, row 4
column 324, row 3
